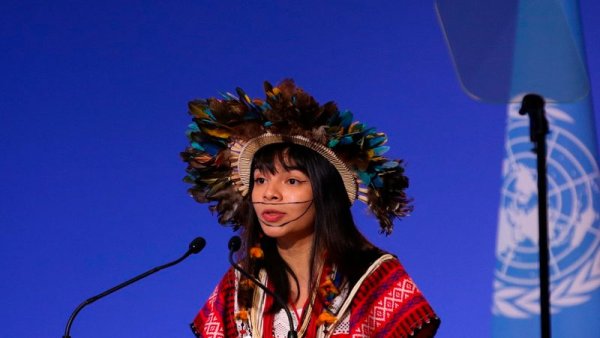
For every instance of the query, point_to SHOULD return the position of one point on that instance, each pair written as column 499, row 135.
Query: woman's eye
column 259, row 180
column 293, row 181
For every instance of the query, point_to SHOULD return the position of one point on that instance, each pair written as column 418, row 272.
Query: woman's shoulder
column 385, row 266
column 387, row 291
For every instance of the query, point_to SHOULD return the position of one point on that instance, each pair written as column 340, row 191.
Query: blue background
column 92, row 115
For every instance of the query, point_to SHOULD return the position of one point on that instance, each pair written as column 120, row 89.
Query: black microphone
column 533, row 105
column 234, row 245
column 195, row 246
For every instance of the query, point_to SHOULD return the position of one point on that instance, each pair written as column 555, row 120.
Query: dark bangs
column 290, row 156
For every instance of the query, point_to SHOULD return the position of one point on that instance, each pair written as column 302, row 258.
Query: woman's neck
column 298, row 256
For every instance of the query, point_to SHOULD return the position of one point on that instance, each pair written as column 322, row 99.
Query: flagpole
column 533, row 106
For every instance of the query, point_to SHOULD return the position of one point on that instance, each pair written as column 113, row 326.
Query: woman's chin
column 274, row 230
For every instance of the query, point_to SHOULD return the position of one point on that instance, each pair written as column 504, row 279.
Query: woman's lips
column 272, row 216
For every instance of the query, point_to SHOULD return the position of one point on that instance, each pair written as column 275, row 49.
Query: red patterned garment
column 384, row 303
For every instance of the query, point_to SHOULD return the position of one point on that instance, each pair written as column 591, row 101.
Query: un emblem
column 574, row 227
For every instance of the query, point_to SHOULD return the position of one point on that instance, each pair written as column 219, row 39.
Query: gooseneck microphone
column 195, row 246
column 234, row 245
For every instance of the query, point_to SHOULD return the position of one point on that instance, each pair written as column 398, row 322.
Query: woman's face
column 283, row 203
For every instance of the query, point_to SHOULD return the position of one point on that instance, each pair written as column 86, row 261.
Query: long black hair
column 336, row 237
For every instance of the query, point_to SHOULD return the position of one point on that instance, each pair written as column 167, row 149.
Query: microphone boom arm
column 195, row 246
column 291, row 333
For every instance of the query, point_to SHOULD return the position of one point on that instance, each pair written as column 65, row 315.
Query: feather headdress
column 226, row 132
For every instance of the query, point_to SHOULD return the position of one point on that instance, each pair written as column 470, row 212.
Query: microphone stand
column 533, row 106
column 195, row 246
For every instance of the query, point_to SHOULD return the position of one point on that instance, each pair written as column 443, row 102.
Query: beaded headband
column 226, row 133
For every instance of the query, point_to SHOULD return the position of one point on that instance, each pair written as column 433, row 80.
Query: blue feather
column 333, row 142
column 390, row 164
column 197, row 146
column 346, row 140
column 346, row 118
column 373, row 142
column 364, row 176
column 381, row 150
column 377, row 182
column 211, row 148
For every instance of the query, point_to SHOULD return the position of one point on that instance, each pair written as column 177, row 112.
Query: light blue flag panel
column 573, row 213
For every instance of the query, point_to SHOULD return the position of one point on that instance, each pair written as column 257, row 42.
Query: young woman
column 285, row 171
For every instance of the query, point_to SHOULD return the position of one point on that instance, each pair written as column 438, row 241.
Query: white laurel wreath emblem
column 520, row 302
